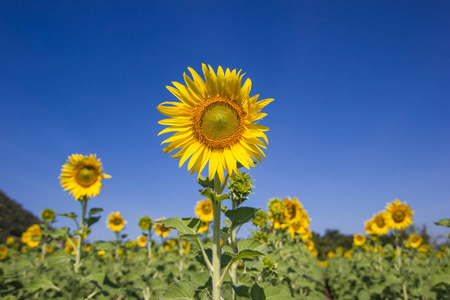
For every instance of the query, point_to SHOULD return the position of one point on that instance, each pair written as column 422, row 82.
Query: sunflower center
column 380, row 222
column 399, row 216
column 117, row 221
column 218, row 122
column 87, row 176
column 206, row 209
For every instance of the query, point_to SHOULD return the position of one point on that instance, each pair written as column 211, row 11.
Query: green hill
column 14, row 219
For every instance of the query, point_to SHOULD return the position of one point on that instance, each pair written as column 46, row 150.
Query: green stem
column 216, row 251
column 208, row 263
column 81, row 231
column 405, row 291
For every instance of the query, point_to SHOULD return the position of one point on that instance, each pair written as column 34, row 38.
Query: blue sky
column 361, row 113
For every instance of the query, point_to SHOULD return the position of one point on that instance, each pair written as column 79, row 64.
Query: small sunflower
column 215, row 122
column 10, row 241
column 145, row 223
column 398, row 215
column 32, row 236
column 82, row 175
column 331, row 254
column 260, row 218
column 275, row 206
column 142, row 241
column 379, row 224
column 161, row 230
column 115, row 222
column 204, row 227
column 414, row 240
column 359, row 239
column 368, row 226
column 204, row 210
column 48, row 215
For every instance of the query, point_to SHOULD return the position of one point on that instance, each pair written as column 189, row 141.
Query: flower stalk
column 216, row 251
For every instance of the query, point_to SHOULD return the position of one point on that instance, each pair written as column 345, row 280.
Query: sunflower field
column 215, row 123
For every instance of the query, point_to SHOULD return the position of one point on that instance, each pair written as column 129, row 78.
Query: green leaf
column 181, row 290
column 247, row 248
column 70, row 215
column 212, row 195
column 98, row 278
column 186, row 227
column 205, row 295
column 106, row 246
column 59, row 233
column 240, row 215
column 276, row 292
column 94, row 211
column 240, row 290
column 224, row 258
column 257, row 293
column 205, row 182
column 92, row 220
column 41, row 283
column 443, row 222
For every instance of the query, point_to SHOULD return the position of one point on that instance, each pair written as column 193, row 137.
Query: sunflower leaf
column 213, row 196
column 443, row 222
column 181, row 290
column 240, row 216
column 224, row 258
column 92, row 220
column 94, row 211
column 205, row 182
column 186, row 227
column 247, row 248
column 70, row 215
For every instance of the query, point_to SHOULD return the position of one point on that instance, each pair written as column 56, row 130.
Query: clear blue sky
column 361, row 113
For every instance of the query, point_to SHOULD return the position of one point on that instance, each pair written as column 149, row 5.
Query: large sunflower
column 82, row 175
column 398, row 215
column 379, row 224
column 215, row 122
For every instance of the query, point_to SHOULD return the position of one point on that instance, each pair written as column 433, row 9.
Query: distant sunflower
column 115, row 222
column 48, row 215
column 414, row 240
column 399, row 215
column 380, row 225
column 145, row 223
column 215, row 122
column 82, row 175
column 204, row 227
column 161, row 230
column 359, row 239
column 368, row 226
column 275, row 206
column 204, row 210
column 142, row 240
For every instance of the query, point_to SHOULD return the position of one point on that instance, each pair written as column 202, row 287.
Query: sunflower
column 275, row 206
column 161, row 230
column 145, row 223
column 368, row 226
column 292, row 209
column 48, row 215
column 399, row 215
column 296, row 226
column 414, row 240
column 115, row 222
column 82, row 175
column 204, row 210
column 359, row 239
column 142, row 241
column 204, row 227
column 379, row 225
column 215, row 122
column 10, row 241
column 32, row 236
column 260, row 218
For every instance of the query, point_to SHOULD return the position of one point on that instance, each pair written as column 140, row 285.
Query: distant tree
column 330, row 241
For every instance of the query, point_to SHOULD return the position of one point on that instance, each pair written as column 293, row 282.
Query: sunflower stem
column 216, row 251
column 149, row 246
column 81, row 232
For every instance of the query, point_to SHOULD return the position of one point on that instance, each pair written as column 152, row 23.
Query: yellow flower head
column 161, row 230
column 186, row 246
column 145, row 223
column 296, row 226
column 48, row 215
column 359, row 239
column 368, row 226
column 348, row 254
column 70, row 245
column 101, row 252
column 115, row 222
column 331, row 254
column 82, row 175
column 169, row 245
column 142, row 241
column 414, row 240
column 10, row 240
column 323, row 263
column 292, row 209
column 309, row 245
column 49, row 249
column 260, row 218
column 32, row 236
column 215, row 122
column 275, row 206
column 379, row 223
column 3, row 252
column 204, row 210
column 204, row 227
column 399, row 216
